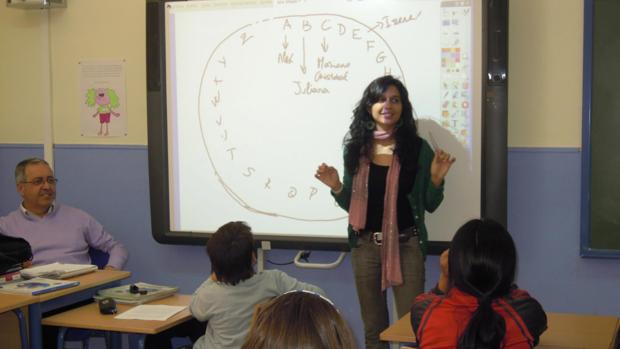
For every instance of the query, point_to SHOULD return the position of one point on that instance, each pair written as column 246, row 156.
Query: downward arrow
column 324, row 45
column 303, row 56
column 285, row 43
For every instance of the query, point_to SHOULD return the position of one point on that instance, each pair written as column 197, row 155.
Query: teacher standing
column 391, row 177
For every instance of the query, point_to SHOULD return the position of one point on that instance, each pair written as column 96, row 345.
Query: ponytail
column 482, row 263
column 485, row 330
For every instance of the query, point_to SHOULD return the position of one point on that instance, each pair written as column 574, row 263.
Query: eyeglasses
column 40, row 180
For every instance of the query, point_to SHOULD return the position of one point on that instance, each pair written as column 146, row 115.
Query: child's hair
column 482, row 263
column 299, row 319
column 231, row 251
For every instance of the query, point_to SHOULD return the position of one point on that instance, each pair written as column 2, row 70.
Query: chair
column 98, row 257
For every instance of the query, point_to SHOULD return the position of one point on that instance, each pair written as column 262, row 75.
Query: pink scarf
column 390, row 254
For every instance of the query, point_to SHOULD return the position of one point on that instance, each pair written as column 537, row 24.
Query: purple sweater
column 63, row 235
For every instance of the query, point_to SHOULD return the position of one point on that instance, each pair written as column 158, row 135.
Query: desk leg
column 22, row 328
column 60, row 341
column 115, row 339
column 34, row 320
column 136, row 340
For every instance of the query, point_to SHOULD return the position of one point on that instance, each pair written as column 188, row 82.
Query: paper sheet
column 102, row 100
column 57, row 270
column 150, row 312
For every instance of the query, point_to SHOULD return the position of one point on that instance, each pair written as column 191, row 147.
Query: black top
column 376, row 193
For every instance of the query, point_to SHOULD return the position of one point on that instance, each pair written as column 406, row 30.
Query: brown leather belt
column 377, row 237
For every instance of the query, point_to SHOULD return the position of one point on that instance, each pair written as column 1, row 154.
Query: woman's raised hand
column 329, row 176
column 440, row 166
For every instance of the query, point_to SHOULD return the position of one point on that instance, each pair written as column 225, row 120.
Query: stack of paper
column 36, row 286
column 150, row 312
column 57, row 270
column 150, row 292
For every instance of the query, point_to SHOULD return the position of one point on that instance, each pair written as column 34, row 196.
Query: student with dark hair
column 476, row 304
column 299, row 319
column 231, row 251
column 228, row 298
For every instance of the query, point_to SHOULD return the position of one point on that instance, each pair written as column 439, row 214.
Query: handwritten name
column 331, row 76
column 322, row 63
column 285, row 58
column 309, row 89
column 387, row 21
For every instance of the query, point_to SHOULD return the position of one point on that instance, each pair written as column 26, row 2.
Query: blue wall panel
column 544, row 219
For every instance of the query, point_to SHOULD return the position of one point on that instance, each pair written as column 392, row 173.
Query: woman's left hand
column 444, row 276
column 440, row 166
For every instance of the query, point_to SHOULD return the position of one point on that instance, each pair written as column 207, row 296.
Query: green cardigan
column 424, row 196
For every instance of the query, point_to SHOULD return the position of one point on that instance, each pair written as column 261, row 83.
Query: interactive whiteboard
column 259, row 93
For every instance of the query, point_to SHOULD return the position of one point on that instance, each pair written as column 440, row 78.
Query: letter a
column 287, row 24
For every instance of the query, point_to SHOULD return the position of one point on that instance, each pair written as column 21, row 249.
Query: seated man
column 56, row 233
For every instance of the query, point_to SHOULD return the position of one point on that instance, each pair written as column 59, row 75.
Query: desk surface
column 88, row 317
column 13, row 301
column 564, row 331
column 10, row 301
column 400, row 331
column 579, row 331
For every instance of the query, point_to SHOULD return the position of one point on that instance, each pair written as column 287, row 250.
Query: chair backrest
column 98, row 257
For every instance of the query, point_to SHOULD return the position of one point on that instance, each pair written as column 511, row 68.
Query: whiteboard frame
column 494, row 135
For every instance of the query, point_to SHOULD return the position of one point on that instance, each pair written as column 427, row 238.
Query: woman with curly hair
column 391, row 178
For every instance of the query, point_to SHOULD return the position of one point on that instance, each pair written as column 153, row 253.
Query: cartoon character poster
column 102, row 99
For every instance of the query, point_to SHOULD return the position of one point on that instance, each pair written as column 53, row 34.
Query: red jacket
column 438, row 320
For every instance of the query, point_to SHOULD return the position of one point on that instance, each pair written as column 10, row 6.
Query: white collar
column 27, row 213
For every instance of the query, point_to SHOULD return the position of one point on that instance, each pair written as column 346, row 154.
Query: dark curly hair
column 358, row 141
column 231, row 251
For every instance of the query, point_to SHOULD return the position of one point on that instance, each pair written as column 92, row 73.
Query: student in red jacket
column 475, row 303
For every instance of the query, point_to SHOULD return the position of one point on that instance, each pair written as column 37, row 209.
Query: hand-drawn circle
column 238, row 110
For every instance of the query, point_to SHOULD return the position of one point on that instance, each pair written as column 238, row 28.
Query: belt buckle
column 377, row 238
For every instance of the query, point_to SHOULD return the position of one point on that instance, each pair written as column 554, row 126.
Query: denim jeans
column 366, row 261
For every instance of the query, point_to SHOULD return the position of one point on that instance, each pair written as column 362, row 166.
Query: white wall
column 545, row 73
column 33, row 40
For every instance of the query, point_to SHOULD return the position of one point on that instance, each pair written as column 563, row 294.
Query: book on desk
column 57, row 270
column 36, row 286
column 10, row 277
column 138, row 293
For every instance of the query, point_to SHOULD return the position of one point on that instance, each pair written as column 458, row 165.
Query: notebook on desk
column 36, row 286
column 10, row 277
column 137, row 293
column 57, row 270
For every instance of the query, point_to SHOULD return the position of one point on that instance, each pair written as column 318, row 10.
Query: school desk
column 564, row 331
column 88, row 317
column 13, row 302
column 579, row 331
column 89, row 285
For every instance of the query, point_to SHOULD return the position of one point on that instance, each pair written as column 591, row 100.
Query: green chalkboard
column 605, row 127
